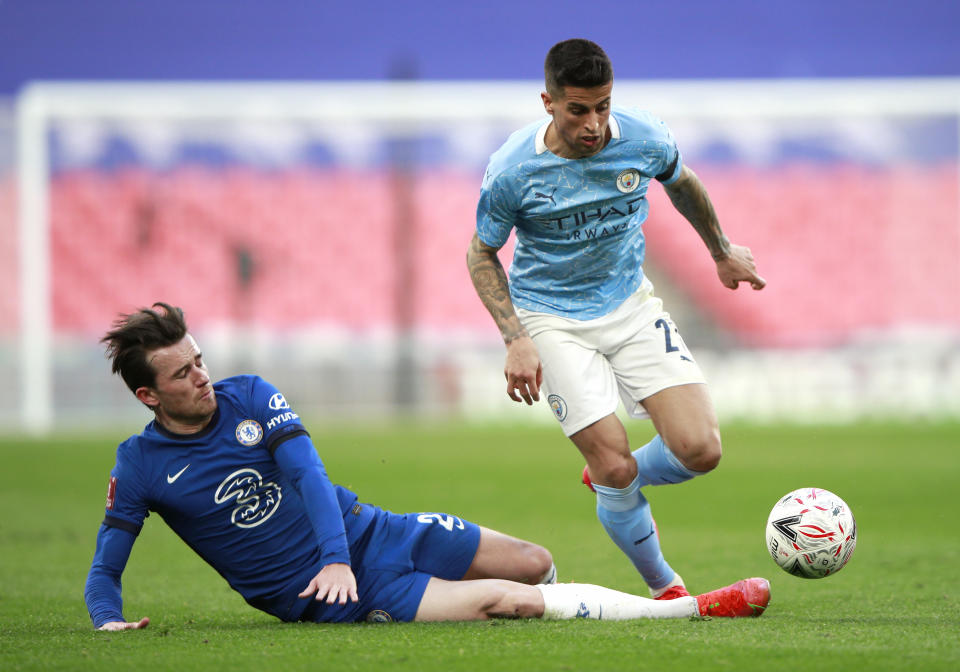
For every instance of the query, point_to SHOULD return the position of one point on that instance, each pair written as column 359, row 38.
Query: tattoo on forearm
column 690, row 198
column 490, row 281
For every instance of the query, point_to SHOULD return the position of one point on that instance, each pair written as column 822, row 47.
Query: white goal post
column 402, row 107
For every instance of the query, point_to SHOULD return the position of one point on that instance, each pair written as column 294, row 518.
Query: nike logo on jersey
column 171, row 479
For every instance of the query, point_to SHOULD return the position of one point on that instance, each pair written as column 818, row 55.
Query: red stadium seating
column 845, row 248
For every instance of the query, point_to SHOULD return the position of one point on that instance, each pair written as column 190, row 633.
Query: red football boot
column 748, row 597
column 673, row 592
column 586, row 479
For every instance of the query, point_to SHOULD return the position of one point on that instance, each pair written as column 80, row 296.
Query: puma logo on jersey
column 540, row 194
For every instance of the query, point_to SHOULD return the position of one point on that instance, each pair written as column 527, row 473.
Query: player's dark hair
column 138, row 333
column 576, row 62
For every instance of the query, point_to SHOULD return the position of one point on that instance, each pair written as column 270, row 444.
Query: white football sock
column 583, row 600
column 550, row 576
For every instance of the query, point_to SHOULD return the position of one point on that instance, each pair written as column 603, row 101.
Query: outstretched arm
column 102, row 592
column 734, row 262
column 522, row 369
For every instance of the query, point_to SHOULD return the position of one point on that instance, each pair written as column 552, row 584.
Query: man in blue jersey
column 231, row 469
column 578, row 315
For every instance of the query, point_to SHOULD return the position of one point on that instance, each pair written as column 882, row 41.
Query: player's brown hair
column 576, row 62
column 135, row 335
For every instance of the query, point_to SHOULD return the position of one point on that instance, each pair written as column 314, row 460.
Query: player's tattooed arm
column 735, row 263
column 522, row 369
column 490, row 281
column 690, row 198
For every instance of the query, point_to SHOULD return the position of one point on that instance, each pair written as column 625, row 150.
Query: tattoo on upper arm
column 691, row 200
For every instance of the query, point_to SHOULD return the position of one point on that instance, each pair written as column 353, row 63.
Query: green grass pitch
column 894, row 607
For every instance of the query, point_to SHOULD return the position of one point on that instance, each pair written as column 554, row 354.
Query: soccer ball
column 811, row 533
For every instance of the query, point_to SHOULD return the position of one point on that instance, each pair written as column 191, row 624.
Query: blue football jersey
column 228, row 494
column 580, row 244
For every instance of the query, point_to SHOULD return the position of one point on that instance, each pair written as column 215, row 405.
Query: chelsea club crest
column 379, row 616
column 249, row 432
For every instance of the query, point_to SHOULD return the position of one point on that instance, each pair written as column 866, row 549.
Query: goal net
column 315, row 234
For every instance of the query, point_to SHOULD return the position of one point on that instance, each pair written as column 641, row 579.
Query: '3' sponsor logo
column 256, row 501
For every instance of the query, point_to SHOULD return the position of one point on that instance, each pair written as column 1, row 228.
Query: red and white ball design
column 811, row 533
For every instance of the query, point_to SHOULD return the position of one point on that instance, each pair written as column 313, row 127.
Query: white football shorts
column 629, row 354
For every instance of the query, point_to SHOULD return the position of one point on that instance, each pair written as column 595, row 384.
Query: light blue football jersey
column 579, row 222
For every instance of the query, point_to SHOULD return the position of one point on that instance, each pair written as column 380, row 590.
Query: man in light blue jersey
column 231, row 469
column 578, row 315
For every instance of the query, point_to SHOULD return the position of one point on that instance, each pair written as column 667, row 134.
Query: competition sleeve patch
column 111, row 492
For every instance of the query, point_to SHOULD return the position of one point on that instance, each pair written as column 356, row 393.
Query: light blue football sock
column 657, row 465
column 625, row 515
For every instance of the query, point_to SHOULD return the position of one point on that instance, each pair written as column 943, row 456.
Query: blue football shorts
column 394, row 559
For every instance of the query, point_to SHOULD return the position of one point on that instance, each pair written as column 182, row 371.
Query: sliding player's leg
column 479, row 599
column 495, row 598
column 500, row 556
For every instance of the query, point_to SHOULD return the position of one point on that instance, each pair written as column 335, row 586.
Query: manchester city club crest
column 249, row 432
column 558, row 406
column 628, row 180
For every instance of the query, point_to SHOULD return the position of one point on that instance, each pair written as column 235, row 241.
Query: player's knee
column 539, row 563
column 529, row 562
column 617, row 473
column 702, row 452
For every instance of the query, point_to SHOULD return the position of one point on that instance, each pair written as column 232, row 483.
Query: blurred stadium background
column 303, row 179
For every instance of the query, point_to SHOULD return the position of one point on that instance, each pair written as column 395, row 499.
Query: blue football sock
column 625, row 515
column 657, row 465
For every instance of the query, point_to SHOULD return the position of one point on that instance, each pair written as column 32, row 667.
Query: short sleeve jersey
column 580, row 243
column 222, row 492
